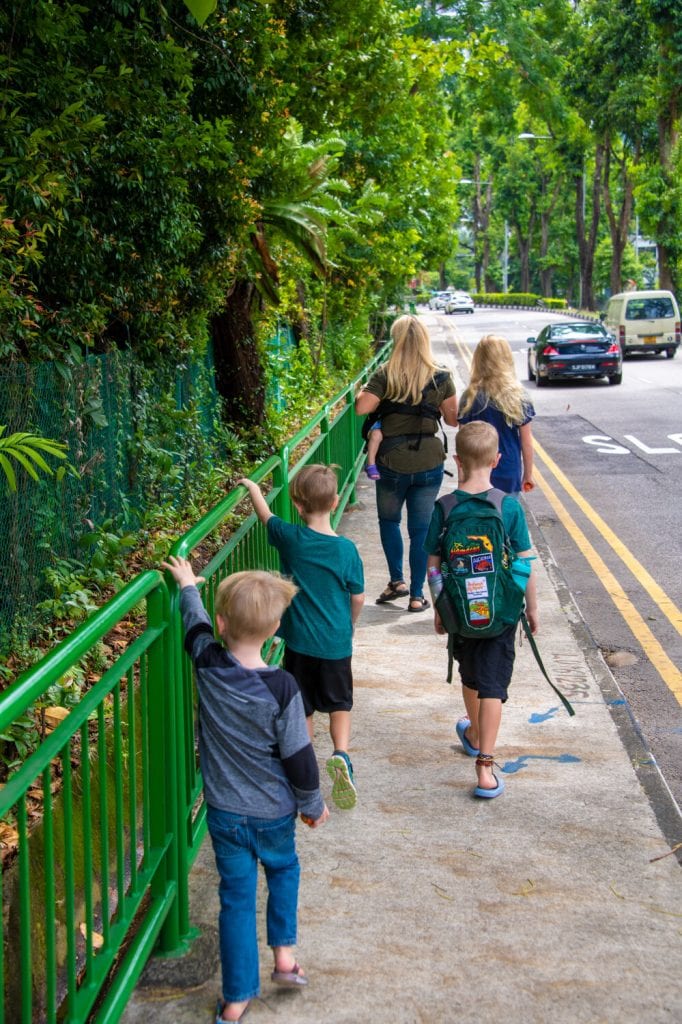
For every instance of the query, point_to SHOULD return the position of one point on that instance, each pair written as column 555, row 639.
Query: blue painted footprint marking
column 510, row 767
column 538, row 717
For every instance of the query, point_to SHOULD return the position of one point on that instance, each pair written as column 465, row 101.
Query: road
column 607, row 506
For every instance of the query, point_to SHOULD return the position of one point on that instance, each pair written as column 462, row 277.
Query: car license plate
column 650, row 339
column 583, row 366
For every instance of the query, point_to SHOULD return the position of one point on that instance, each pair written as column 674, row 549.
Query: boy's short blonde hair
column 253, row 602
column 477, row 444
column 314, row 488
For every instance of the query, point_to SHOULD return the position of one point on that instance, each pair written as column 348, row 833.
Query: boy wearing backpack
column 480, row 599
column 318, row 625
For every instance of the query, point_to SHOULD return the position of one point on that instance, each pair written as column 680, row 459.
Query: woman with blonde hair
column 409, row 393
column 495, row 395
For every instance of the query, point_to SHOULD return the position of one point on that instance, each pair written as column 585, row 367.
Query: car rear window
column 649, row 309
column 569, row 331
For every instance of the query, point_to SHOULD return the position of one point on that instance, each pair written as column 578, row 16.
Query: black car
column 576, row 348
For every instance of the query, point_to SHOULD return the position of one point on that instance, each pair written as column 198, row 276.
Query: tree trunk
column 667, row 139
column 545, row 272
column 485, row 265
column 618, row 224
column 238, row 371
column 524, row 245
column 588, row 244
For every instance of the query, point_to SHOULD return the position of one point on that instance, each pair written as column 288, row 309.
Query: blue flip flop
column 490, row 794
column 461, row 728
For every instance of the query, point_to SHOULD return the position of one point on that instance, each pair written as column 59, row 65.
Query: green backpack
column 481, row 595
column 483, row 582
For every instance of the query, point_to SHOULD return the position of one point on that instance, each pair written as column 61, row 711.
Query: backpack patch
column 480, row 596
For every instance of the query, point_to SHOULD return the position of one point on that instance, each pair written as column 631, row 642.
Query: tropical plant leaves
column 201, row 9
column 25, row 448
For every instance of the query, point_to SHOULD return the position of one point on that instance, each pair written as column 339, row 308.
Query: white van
column 644, row 322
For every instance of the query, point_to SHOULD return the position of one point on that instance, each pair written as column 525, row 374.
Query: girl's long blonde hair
column 493, row 377
column 410, row 366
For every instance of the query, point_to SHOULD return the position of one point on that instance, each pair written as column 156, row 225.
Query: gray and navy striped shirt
column 256, row 756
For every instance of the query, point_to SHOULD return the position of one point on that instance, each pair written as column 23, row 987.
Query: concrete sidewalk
column 547, row 904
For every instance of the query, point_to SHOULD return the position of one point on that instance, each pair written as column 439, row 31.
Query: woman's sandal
column 420, row 602
column 289, row 979
column 394, row 590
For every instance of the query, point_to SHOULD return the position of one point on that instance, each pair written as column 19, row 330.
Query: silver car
column 438, row 300
column 459, row 302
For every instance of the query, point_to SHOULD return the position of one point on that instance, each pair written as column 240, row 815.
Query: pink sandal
column 289, row 979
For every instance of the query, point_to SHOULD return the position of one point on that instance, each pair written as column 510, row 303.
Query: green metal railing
column 101, row 879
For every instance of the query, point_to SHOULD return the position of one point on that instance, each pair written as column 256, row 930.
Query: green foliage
column 105, row 546
column 201, row 8
column 28, row 449
column 509, row 299
column 17, row 742
column 72, row 597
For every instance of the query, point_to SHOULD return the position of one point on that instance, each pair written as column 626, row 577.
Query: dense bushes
column 517, row 299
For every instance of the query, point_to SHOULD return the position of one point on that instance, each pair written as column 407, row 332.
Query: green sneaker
column 340, row 771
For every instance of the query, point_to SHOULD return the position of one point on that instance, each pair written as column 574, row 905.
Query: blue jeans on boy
column 418, row 492
column 239, row 843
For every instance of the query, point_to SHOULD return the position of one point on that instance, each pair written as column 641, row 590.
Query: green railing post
column 164, row 754
column 280, row 477
column 326, row 437
column 351, row 435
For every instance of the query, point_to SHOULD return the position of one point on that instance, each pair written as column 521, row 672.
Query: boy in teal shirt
column 318, row 625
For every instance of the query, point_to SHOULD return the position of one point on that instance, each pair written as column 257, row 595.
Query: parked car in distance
column 459, row 302
column 438, row 300
column 644, row 322
column 574, row 349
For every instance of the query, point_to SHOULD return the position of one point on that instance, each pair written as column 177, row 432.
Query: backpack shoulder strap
column 534, row 648
column 496, row 497
column 447, row 503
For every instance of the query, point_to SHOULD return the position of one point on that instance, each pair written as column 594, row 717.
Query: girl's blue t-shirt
column 327, row 569
column 507, row 474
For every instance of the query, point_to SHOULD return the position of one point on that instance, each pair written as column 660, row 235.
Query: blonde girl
column 495, row 396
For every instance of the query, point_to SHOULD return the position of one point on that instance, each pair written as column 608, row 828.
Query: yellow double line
column 666, row 668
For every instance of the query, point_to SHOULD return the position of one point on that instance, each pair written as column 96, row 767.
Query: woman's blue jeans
column 418, row 492
column 239, row 843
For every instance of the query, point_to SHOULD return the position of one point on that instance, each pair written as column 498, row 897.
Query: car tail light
column 612, row 350
column 678, row 333
column 621, row 336
column 549, row 350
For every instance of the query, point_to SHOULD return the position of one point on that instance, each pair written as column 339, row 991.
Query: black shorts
column 326, row 684
column 486, row 665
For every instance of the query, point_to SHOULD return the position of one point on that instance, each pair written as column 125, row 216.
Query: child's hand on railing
column 182, row 572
